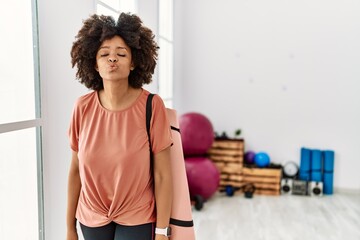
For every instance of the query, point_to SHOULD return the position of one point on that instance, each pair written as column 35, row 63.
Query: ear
column 96, row 67
column 132, row 67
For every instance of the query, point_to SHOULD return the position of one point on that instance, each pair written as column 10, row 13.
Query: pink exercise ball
column 203, row 176
column 197, row 133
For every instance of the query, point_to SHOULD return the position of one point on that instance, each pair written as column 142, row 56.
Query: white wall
column 59, row 22
column 285, row 72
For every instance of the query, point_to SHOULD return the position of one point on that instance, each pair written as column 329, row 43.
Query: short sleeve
column 160, row 126
column 74, row 128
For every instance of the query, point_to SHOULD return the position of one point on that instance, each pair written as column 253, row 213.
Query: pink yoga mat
column 181, row 216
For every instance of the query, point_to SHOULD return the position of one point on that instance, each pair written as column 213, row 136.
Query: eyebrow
column 107, row 47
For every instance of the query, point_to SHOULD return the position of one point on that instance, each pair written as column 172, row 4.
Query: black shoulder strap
column 148, row 120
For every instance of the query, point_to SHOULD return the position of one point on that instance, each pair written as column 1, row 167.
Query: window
column 20, row 124
column 166, row 45
column 114, row 7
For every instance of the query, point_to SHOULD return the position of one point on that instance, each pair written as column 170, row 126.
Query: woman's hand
column 161, row 237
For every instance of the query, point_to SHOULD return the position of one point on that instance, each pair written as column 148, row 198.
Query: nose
column 112, row 59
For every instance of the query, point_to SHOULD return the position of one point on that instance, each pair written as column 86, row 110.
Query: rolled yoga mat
column 328, row 174
column 316, row 166
column 181, row 221
column 305, row 164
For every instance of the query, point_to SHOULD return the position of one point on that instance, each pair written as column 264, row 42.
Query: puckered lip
column 113, row 66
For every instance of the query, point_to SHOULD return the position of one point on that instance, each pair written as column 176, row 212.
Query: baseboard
column 346, row 190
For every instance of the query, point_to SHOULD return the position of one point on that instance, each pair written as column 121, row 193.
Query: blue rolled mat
column 304, row 175
column 316, row 176
column 328, row 160
column 328, row 183
column 305, row 159
column 316, row 160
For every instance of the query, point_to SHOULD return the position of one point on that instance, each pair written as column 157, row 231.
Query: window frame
column 118, row 11
column 168, row 100
column 36, row 123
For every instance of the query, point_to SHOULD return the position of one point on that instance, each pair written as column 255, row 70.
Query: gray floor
column 335, row 217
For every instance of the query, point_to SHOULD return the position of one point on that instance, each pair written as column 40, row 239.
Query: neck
column 116, row 90
column 115, row 95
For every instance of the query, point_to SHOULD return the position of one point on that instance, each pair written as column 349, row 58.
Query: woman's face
column 113, row 59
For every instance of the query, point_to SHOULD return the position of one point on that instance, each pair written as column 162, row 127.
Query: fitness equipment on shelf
column 315, row 188
column 300, row 187
column 286, row 185
column 262, row 159
column 290, row 170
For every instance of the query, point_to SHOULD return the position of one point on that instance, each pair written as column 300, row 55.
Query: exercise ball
column 203, row 176
column 197, row 134
column 249, row 157
column 262, row 159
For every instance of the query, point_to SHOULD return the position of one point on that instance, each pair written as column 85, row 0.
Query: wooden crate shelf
column 266, row 180
column 228, row 155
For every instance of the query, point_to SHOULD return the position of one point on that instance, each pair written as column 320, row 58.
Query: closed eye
column 104, row 55
column 121, row 55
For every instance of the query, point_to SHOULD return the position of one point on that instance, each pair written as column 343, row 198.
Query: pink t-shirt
column 114, row 159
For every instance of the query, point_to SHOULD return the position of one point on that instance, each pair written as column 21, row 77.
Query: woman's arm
column 74, row 186
column 163, row 189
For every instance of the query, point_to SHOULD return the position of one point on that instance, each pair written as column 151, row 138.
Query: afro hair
column 99, row 28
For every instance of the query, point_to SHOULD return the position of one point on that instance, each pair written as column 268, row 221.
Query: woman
column 112, row 191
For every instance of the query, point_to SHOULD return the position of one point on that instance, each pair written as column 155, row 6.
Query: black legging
column 114, row 231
